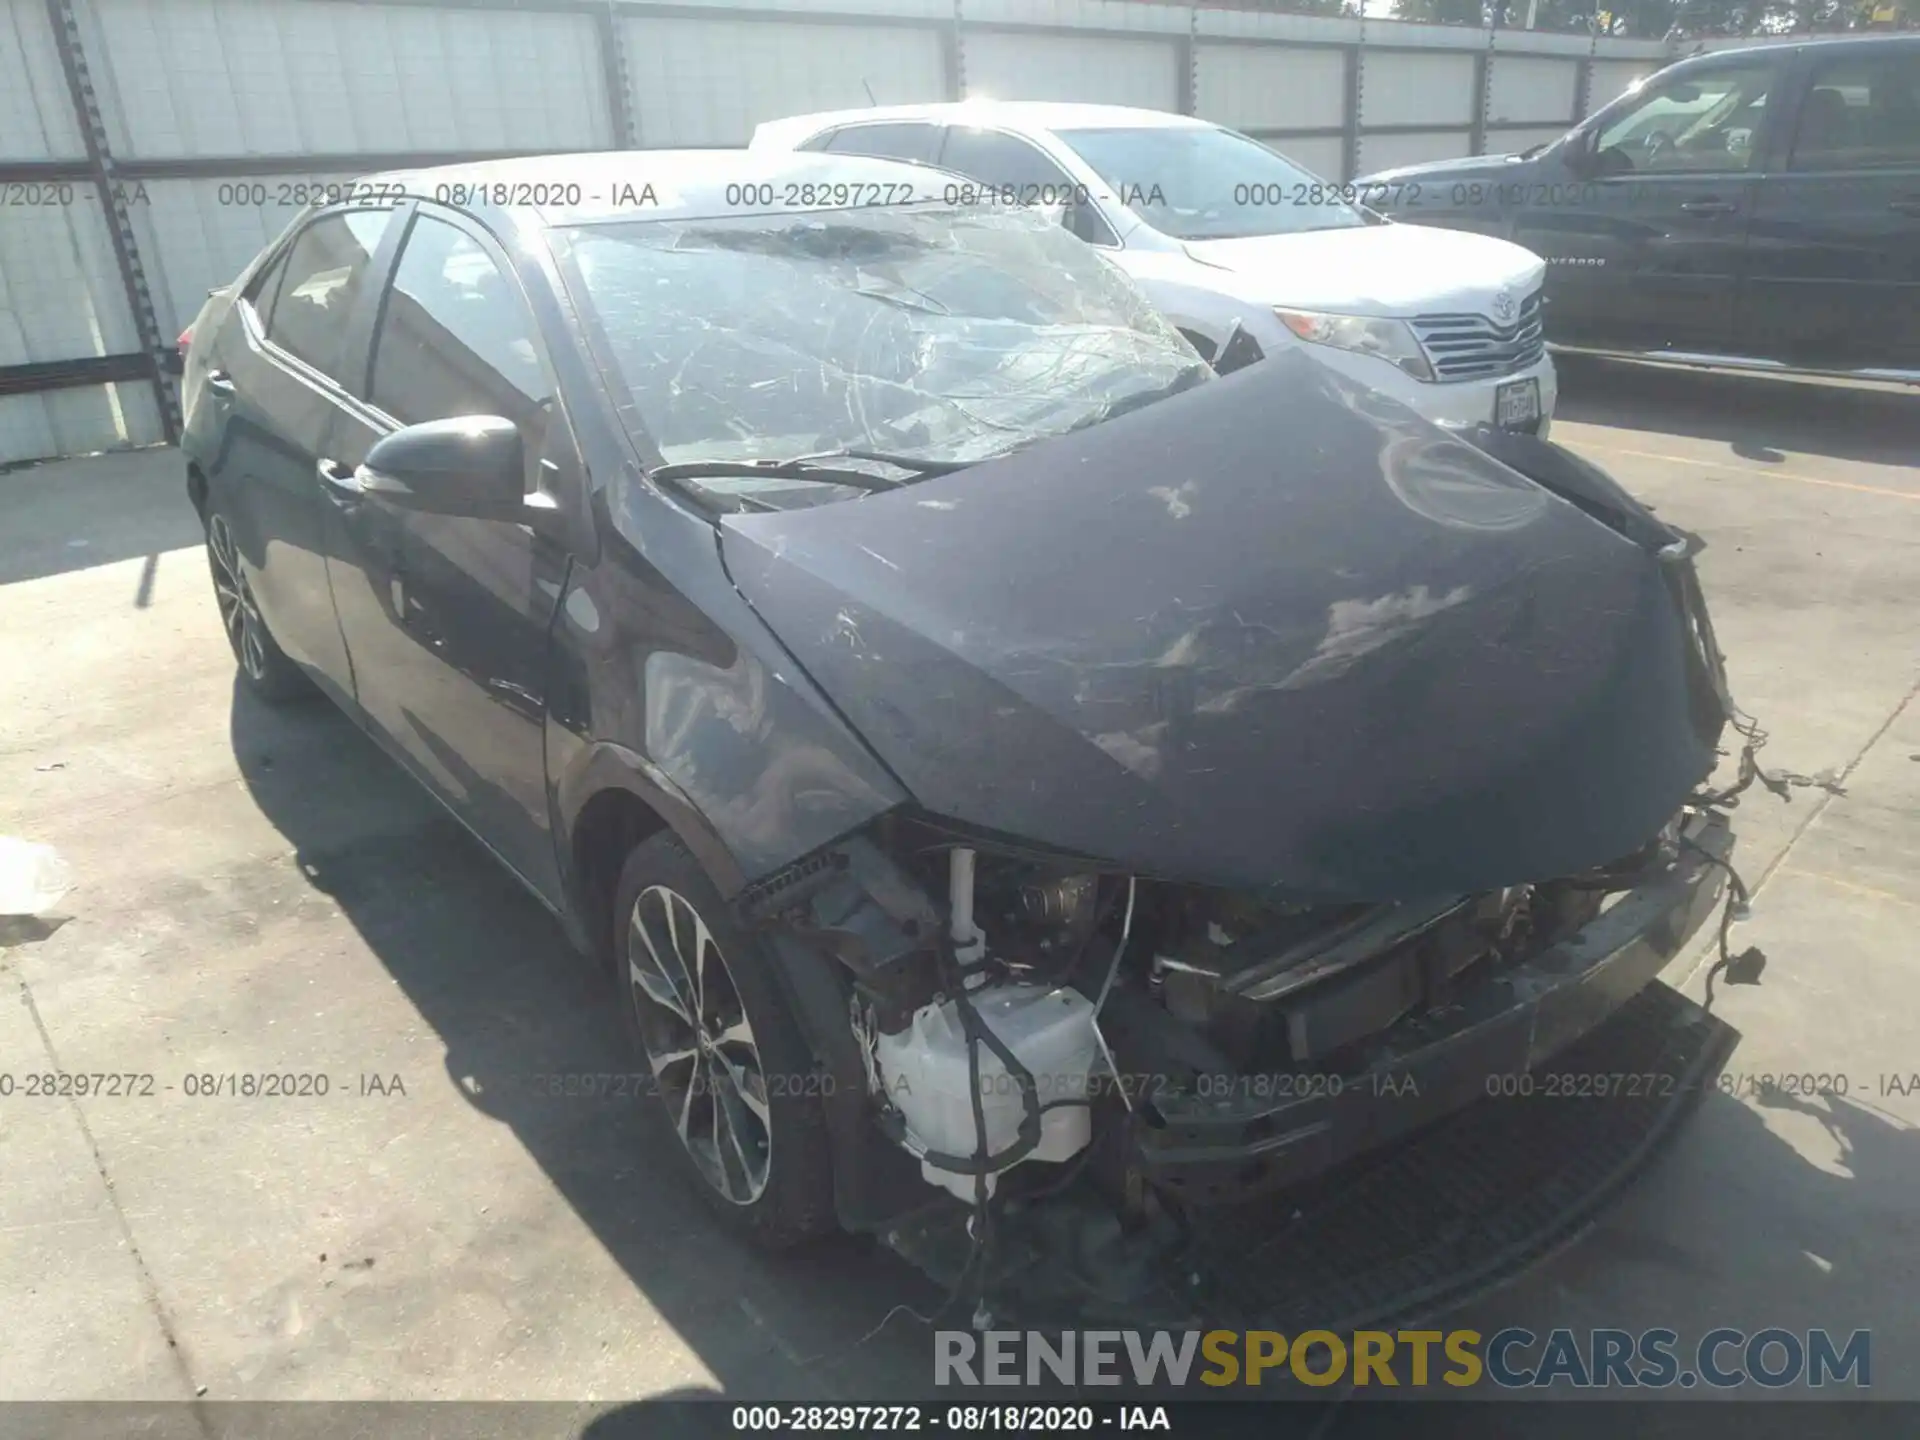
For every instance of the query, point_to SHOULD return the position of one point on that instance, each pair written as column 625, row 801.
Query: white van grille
column 1478, row 347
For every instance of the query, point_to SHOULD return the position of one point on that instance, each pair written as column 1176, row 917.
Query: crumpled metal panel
column 1276, row 633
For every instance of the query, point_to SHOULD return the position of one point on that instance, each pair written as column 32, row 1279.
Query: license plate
column 1516, row 405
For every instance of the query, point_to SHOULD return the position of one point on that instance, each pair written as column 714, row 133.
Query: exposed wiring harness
column 1744, row 968
column 985, row 1162
column 1113, row 969
column 1780, row 782
column 1752, row 734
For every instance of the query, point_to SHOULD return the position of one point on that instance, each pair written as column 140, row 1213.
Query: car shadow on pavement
column 1760, row 418
column 515, row 1006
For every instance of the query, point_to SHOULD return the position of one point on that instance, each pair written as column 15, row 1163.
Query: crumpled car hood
column 1276, row 633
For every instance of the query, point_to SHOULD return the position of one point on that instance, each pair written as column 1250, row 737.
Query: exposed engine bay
column 1084, row 1010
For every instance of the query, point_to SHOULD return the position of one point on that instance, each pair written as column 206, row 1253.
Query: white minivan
column 1239, row 246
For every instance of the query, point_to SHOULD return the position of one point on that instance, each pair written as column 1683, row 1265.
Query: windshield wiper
column 920, row 465
column 905, row 297
column 818, row 466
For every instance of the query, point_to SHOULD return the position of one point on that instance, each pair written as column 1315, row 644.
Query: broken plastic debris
column 33, row 878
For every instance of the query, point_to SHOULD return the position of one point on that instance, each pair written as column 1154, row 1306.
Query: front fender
column 669, row 686
column 601, row 766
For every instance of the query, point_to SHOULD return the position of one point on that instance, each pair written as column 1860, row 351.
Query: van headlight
column 1390, row 340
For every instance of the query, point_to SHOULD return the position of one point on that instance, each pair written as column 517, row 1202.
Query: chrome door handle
column 220, row 382
column 1708, row 207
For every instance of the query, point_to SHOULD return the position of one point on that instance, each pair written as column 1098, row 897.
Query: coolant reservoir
column 925, row 1071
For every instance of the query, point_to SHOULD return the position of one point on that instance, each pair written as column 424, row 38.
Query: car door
column 445, row 616
column 277, row 373
column 1645, row 252
column 1834, row 255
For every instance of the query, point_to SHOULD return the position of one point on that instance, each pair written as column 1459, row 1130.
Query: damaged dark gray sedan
column 999, row 762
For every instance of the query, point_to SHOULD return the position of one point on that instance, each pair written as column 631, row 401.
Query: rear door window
column 322, row 278
column 1862, row 112
column 260, row 293
column 903, row 141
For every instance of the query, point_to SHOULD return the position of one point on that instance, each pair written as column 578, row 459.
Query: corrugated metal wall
column 61, row 296
column 200, row 78
column 214, row 114
column 709, row 82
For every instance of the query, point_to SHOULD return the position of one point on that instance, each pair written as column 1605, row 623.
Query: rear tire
column 264, row 666
column 734, row 1077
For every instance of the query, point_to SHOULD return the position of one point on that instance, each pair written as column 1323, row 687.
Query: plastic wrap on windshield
column 942, row 333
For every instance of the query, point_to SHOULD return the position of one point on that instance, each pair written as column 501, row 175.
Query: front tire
column 734, row 1077
column 264, row 666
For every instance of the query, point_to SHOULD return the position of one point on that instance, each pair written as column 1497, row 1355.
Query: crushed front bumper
column 1275, row 1131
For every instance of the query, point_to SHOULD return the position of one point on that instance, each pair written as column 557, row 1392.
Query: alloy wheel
column 706, row 1063
column 238, row 614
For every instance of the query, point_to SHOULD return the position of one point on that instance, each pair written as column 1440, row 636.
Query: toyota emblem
column 1503, row 306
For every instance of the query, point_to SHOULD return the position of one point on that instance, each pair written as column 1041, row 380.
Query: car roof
column 1015, row 114
column 1868, row 41
column 643, row 184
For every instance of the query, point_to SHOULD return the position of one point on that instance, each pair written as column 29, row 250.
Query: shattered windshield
column 938, row 333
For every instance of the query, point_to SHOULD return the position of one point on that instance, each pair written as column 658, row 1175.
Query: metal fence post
column 953, row 57
column 113, row 205
column 613, row 63
column 1189, row 58
column 1583, row 77
column 1482, row 97
column 1350, row 118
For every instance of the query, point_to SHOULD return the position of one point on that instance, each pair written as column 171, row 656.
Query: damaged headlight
column 1389, row 340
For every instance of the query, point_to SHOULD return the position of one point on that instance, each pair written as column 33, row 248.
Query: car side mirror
column 1590, row 162
column 472, row 466
column 1582, row 156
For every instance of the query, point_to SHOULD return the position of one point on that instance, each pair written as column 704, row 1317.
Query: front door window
column 1703, row 122
column 456, row 338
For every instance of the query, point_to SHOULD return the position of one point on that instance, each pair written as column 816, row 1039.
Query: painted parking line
column 1735, row 470
column 1855, row 886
